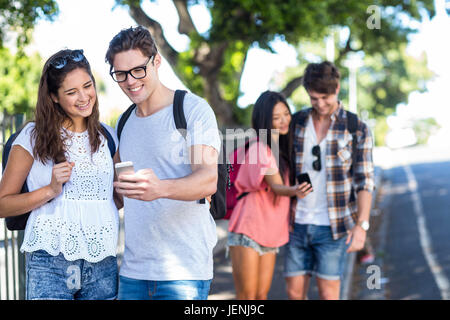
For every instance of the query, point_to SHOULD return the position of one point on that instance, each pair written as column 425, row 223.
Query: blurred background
column 392, row 55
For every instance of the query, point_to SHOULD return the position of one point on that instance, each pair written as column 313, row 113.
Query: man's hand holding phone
column 304, row 186
column 124, row 167
column 140, row 185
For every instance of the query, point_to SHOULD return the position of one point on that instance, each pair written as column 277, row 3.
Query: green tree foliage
column 19, row 80
column 384, row 80
column 424, row 128
column 21, row 16
column 212, row 65
column 19, row 73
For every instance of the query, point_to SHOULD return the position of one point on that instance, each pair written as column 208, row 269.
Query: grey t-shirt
column 168, row 239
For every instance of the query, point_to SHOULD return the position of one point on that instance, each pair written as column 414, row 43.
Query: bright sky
column 429, row 38
column 90, row 25
column 435, row 102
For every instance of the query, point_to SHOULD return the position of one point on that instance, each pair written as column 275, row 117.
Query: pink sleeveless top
column 257, row 215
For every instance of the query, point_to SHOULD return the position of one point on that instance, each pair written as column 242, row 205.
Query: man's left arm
column 364, row 182
column 203, row 180
column 358, row 235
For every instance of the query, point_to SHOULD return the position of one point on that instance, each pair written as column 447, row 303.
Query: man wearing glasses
column 169, row 235
column 333, row 220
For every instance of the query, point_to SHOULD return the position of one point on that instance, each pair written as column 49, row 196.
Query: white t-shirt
column 168, row 239
column 83, row 221
column 313, row 209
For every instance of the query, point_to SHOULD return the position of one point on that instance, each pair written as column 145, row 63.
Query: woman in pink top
column 259, row 224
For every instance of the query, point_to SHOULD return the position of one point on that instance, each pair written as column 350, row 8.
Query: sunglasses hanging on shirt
column 317, row 164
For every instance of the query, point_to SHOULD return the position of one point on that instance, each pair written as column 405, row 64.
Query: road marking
column 425, row 240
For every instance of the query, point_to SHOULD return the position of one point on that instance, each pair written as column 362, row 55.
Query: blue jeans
column 55, row 278
column 132, row 289
column 312, row 250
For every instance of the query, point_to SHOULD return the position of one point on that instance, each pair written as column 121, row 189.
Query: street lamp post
column 329, row 47
column 353, row 62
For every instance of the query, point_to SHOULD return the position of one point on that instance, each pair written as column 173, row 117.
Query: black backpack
column 19, row 222
column 218, row 207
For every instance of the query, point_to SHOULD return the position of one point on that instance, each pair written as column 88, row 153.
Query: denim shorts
column 133, row 289
column 55, row 278
column 239, row 239
column 312, row 250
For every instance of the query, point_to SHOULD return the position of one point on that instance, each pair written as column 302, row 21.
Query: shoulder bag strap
column 178, row 112
column 110, row 139
column 352, row 125
column 124, row 119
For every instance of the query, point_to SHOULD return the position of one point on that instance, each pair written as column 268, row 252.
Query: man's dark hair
column 321, row 77
column 129, row 39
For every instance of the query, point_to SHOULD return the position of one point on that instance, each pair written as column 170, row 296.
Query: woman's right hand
column 303, row 190
column 61, row 173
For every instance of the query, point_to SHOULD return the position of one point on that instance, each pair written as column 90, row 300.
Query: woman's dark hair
column 262, row 120
column 129, row 39
column 321, row 77
column 49, row 116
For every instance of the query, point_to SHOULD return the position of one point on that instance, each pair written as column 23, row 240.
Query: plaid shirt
column 341, row 186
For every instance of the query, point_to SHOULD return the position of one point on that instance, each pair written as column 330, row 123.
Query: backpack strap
column 352, row 126
column 124, row 119
column 110, row 139
column 298, row 118
column 178, row 112
column 7, row 149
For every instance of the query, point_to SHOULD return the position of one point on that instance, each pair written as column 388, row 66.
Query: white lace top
column 82, row 222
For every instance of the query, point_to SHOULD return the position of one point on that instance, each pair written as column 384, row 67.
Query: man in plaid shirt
column 332, row 220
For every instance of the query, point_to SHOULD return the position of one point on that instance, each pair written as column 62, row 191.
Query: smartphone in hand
column 123, row 167
column 303, row 177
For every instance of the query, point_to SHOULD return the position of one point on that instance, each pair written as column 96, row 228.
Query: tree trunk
column 209, row 58
column 222, row 108
column 292, row 86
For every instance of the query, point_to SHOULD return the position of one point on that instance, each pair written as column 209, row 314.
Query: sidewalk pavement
column 222, row 229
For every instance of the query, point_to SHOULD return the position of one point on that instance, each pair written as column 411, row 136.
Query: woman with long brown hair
column 71, row 234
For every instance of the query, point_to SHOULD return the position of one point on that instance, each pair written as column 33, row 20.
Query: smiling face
column 76, row 95
column 138, row 90
column 281, row 118
column 324, row 104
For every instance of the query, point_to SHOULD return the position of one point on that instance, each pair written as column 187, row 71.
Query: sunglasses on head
column 61, row 62
column 317, row 164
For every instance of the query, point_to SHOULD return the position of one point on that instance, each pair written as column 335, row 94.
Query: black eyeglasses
column 317, row 164
column 61, row 62
column 137, row 73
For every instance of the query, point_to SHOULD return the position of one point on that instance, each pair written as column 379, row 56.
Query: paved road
column 222, row 286
column 413, row 231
